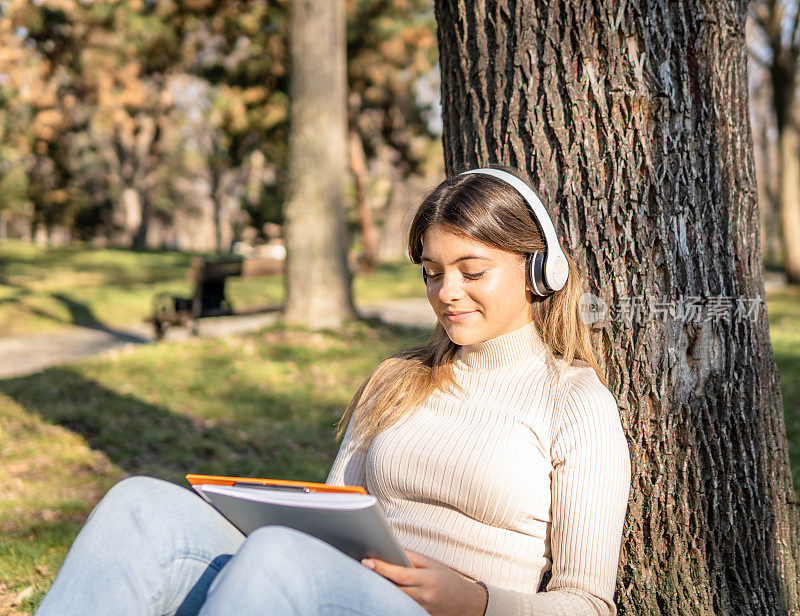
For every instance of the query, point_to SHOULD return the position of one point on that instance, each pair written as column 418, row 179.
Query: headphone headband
column 555, row 269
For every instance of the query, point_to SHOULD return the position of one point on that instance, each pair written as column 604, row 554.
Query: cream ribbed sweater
column 530, row 467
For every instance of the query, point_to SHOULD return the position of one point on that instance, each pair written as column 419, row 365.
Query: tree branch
column 793, row 42
column 766, row 15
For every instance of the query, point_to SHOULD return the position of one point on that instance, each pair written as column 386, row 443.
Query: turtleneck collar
column 510, row 348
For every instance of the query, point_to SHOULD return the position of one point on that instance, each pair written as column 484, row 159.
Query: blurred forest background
column 162, row 124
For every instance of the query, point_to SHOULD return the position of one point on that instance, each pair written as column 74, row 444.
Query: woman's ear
column 526, row 273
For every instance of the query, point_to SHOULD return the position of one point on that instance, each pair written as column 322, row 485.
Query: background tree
column 33, row 122
column 777, row 50
column 391, row 49
column 766, row 160
column 317, row 279
column 165, row 123
column 128, row 70
column 632, row 118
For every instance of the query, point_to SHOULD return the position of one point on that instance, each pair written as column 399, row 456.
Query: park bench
column 209, row 299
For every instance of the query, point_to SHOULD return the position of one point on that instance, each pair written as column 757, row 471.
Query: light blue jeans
column 151, row 547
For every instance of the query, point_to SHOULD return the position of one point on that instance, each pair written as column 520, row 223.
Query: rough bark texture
column 632, row 118
column 317, row 278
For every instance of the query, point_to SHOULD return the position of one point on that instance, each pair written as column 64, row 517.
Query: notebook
column 346, row 517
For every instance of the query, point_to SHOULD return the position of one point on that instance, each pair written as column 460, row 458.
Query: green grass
column 47, row 289
column 783, row 308
column 257, row 405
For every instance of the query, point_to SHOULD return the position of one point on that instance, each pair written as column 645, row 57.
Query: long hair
column 486, row 209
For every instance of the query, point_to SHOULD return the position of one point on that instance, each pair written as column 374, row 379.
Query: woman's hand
column 435, row 586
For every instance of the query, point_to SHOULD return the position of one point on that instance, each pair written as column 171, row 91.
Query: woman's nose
column 452, row 288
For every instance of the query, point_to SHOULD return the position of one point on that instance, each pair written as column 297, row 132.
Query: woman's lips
column 456, row 317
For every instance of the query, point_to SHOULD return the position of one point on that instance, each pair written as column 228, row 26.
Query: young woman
column 495, row 450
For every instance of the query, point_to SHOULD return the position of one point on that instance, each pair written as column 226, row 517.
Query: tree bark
column 318, row 291
column 632, row 119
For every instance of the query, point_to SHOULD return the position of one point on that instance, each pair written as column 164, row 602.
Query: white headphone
column 549, row 270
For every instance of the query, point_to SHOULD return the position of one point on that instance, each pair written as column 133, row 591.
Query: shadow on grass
column 788, row 365
column 255, row 430
column 142, row 438
column 82, row 315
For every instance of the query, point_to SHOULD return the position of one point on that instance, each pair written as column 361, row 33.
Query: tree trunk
column 358, row 167
column 406, row 193
column 783, row 79
column 765, row 216
column 762, row 115
column 771, row 240
column 790, row 199
column 318, row 292
column 139, row 239
column 632, row 118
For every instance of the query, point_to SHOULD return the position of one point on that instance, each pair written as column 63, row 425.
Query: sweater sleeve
column 349, row 467
column 590, row 485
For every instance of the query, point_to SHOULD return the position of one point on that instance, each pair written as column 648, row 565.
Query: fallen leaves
column 25, row 594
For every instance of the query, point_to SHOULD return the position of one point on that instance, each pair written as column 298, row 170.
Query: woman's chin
column 460, row 335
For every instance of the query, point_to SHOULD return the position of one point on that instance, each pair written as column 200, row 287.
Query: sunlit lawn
column 257, row 405
column 44, row 290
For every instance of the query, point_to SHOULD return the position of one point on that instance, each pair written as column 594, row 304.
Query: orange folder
column 287, row 483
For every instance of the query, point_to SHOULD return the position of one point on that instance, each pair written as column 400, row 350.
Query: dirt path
column 21, row 355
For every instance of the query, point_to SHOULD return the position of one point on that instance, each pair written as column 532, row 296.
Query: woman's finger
column 402, row 576
column 420, row 560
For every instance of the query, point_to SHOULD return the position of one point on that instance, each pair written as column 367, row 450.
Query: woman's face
column 477, row 291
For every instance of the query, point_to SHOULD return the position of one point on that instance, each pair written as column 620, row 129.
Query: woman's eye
column 466, row 275
column 474, row 276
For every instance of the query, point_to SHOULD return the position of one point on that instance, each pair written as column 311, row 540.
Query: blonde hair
column 486, row 209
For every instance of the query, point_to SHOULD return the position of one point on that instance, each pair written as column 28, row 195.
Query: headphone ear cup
column 529, row 272
column 535, row 274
